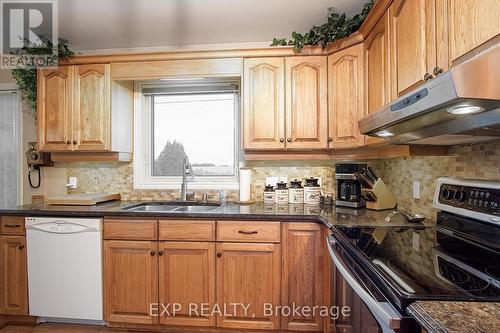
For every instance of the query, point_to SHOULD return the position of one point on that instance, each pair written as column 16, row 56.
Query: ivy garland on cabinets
column 26, row 76
column 337, row 27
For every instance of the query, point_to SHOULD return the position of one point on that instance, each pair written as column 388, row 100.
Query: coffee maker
column 348, row 187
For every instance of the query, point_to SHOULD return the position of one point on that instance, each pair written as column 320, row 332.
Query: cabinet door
column 248, row 274
column 345, row 78
column 303, row 275
column 54, row 109
column 14, row 276
column 264, row 103
column 471, row 23
column 378, row 70
column 413, row 42
column 92, row 109
column 306, row 102
column 130, row 281
column 187, row 278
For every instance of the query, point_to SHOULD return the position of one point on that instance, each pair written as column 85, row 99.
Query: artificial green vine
column 337, row 27
column 26, row 76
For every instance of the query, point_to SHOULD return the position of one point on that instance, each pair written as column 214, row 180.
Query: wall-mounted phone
column 36, row 160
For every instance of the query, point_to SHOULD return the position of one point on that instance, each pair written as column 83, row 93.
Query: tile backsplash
column 479, row 161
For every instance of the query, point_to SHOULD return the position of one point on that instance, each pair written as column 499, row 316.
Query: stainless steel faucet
column 187, row 170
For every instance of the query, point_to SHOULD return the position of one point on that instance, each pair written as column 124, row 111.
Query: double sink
column 173, row 206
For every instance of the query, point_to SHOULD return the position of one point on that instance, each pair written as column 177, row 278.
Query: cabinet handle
column 246, row 232
column 20, row 247
column 427, row 77
column 68, row 142
column 330, row 139
column 289, row 140
column 219, row 254
column 282, row 140
column 437, row 71
column 160, row 253
column 152, row 253
column 75, row 142
column 12, row 225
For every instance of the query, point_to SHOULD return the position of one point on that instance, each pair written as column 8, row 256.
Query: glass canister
column 269, row 194
column 312, row 191
column 281, row 193
column 296, row 192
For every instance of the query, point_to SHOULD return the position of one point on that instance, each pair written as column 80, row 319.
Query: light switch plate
column 416, row 190
column 416, row 241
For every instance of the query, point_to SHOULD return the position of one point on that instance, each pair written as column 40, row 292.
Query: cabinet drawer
column 187, row 230
column 250, row 231
column 13, row 225
column 130, row 229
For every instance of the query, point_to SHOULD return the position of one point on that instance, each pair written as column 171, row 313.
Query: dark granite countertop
column 450, row 317
column 327, row 215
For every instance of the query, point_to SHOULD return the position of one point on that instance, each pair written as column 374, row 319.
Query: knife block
column 385, row 198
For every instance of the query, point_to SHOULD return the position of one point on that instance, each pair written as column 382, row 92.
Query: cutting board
column 83, row 199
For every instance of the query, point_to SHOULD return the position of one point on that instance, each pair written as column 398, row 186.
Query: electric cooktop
column 443, row 262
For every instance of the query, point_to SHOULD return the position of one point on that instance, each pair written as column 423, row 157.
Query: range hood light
column 464, row 109
column 384, row 134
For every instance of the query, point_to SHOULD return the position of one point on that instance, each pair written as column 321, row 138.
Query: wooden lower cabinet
column 248, row 274
column 130, row 281
column 187, row 282
column 303, row 274
column 14, row 276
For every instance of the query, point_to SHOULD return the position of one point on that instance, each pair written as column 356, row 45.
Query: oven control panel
column 472, row 198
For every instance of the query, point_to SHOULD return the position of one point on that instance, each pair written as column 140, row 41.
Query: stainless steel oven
column 367, row 309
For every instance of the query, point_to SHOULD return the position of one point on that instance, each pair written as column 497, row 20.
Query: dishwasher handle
column 62, row 227
column 384, row 312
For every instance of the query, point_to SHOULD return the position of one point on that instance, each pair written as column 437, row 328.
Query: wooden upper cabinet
column 130, row 281
column 14, row 276
column 264, row 103
column 54, row 103
column 187, row 276
column 81, row 109
column 306, row 102
column 413, row 25
column 346, row 97
column 248, row 274
column 303, row 275
column 470, row 24
column 92, row 107
column 378, row 69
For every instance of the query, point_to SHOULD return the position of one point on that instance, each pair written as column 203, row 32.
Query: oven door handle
column 384, row 312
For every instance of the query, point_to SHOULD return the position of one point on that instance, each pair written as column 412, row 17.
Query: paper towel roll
column 245, row 181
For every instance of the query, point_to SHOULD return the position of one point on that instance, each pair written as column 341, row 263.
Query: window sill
column 190, row 185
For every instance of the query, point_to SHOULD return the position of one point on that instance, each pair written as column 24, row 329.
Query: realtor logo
column 33, row 24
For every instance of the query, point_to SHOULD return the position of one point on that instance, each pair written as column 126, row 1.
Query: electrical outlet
column 73, row 182
column 416, row 190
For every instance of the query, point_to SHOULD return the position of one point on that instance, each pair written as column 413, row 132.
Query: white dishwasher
column 65, row 268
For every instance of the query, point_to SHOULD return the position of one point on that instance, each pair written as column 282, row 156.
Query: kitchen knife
column 371, row 196
column 367, row 183
column 372, row 173
column 367, row 174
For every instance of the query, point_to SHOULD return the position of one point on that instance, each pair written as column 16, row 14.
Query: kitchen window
column 180, row 118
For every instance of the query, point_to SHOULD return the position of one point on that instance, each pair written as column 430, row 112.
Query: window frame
column 143, row 147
